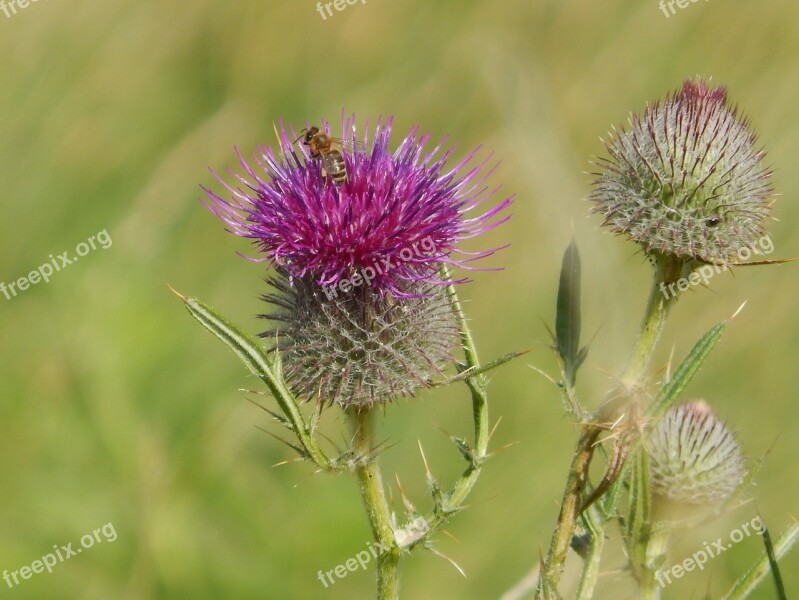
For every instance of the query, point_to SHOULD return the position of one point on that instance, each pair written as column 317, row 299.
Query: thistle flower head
column 391, row 205
column 686, row 180
column 359, row 236
column 693, row 457
column 360, row 348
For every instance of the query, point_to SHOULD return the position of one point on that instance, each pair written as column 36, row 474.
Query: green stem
column 370, row 481
column 648, row 586
column 477, row 387
column 596, row 526
column 261, row 364
column 569, row 511
column 667, row 270
column 453, row 500
column 656, row 551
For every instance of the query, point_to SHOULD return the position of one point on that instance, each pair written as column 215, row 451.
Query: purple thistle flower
column 360, row 310
column 401, row 214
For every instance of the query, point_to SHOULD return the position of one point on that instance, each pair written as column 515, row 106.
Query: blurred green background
column 115, row 406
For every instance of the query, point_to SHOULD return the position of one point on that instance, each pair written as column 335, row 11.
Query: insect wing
column 350, row 146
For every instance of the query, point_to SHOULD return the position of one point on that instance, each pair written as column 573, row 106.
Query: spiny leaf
column 467, row 373
column 261, row 364
column 671, row 390
column 639, row 522
column 567, row 317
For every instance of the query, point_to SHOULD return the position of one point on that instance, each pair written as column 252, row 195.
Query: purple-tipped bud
column 686, row 180
column 693, row 457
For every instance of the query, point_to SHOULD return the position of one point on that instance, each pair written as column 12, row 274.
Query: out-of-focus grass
column 115, row 406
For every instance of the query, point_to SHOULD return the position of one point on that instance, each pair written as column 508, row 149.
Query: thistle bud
column 362, row 347
column 694, row 458
column 686, row 180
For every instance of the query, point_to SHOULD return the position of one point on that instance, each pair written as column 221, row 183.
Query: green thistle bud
column 361, row 347
column 694, row 458
column 686, row 180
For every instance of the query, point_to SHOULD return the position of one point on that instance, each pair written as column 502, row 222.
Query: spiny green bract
column 361, row 347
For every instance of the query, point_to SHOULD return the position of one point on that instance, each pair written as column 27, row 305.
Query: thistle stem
column 452, row 501
column 370, row 482
column 596, row 524
column 668, row 269
column 569, row 511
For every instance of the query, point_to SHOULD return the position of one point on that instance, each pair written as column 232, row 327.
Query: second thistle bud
column 694, row 457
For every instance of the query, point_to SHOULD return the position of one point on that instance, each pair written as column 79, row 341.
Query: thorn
column 275, row 416
column 288, row 461
column 297, row 449
column 449, row 535
column 668, row 366
column 424, row 460
column 177, row 293
column 407, row 503
column 544, row 375
column 442, row 430
column 246, row 391
column 501, row 448
column 491, row 433
column 448, row 559
column 332, row 443
column 740, row 308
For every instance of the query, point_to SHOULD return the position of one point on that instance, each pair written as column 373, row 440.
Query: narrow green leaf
column 262, row 365
column 747, row 583
column 686, row 371
column 639, row 520
column 470, row 372
column 609, row 501
column 567, row 317
column 772, row 561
